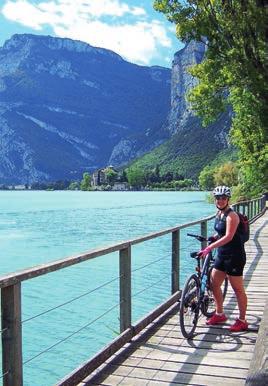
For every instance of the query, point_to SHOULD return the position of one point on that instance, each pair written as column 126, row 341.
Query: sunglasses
column 221, row 198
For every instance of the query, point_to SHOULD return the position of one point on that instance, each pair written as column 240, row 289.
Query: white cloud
column 137, row 39
column 30, row 15
column 136, row 42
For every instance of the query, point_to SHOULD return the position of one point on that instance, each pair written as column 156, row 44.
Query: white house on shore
column 120, row 186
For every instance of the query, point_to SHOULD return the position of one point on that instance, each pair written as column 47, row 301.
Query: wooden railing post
column 175, row 265
column 204, row 233
column 248, row 210
column 125, row 288
column 11, row 335
column 255, row 207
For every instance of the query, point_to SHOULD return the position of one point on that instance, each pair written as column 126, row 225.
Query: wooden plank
column 204, row 344
column 195, row 356
column 187, row 367
column 132, row 375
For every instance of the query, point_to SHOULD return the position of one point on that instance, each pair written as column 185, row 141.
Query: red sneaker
column 239, row 326
column 216, row 319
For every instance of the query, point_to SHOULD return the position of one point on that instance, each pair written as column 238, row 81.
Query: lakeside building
column 120, row 186
column 98, row 178
column 15, row 187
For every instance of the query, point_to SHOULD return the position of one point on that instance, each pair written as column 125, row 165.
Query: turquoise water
column 38, row 227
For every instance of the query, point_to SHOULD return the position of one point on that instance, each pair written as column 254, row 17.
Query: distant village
column 107, row 177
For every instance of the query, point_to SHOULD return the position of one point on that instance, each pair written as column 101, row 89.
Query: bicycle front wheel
column 189, row 307
column 208, row 303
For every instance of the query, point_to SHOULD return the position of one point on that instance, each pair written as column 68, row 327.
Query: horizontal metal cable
column 151, row 263
column 72, row 334
column 3, row 375
column 150, row 286
column 71, row 300
column 161, row 258
column 186, row 249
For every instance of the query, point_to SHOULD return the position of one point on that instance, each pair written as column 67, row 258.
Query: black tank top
column 235, row 246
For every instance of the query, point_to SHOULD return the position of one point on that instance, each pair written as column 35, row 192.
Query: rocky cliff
column 67, row 107
column 189, row 146
column 181, row 115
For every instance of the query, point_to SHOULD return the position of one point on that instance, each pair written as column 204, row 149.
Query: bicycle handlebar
column 198, row 237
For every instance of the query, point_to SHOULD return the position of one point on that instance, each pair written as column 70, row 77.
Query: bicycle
column 197, row 293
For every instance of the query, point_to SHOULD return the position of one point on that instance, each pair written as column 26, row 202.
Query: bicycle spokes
column 189, row 307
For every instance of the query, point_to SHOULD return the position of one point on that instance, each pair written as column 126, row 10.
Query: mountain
column 67, row 107
column 189, row 146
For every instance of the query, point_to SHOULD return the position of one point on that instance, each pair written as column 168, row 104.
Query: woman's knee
column 217, row 278
column 237, row 284
column 239, row 291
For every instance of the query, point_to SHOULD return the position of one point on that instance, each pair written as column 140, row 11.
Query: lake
column 38, row 227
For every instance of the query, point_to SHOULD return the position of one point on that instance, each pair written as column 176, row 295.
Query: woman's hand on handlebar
column 204, row 252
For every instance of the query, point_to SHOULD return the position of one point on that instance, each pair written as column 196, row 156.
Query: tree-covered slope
column 188, row 151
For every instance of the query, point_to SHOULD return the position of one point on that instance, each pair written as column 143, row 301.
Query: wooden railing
column 12, row 363
column 252, row 209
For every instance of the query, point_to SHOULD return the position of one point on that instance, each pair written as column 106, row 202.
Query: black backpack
column 243, row 226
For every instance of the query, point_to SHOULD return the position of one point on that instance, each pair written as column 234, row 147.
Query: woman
column 230, row 260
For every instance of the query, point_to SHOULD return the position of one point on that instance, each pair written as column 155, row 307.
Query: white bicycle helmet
column 222, row 190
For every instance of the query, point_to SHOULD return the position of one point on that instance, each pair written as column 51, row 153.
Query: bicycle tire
column 189, row 306
column 208, row 304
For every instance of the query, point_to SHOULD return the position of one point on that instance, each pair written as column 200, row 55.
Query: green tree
column 136, row 176
column 74, row 185
column 234, row 72
column 111, row 175
column 206, row 178
column 86, row 182
column 122, row 176
column 226, row 174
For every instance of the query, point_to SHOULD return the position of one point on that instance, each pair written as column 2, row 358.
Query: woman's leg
column 217, row 278
column 238, row 287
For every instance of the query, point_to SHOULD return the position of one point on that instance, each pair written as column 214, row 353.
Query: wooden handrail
column 30, row 273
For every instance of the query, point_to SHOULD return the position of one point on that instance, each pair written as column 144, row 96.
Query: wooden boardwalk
column 160, row 356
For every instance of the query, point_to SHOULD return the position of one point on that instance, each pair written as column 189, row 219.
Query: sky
column 131, row 28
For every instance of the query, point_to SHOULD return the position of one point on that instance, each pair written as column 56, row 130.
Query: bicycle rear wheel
column 208, row 304
column 189, row 307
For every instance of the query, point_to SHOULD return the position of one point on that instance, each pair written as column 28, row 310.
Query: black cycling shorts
column 231, row 265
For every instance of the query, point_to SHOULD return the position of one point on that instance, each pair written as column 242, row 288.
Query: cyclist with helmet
column 230, row 260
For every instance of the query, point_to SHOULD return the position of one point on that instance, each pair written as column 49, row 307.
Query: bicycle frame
column 202, row 274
